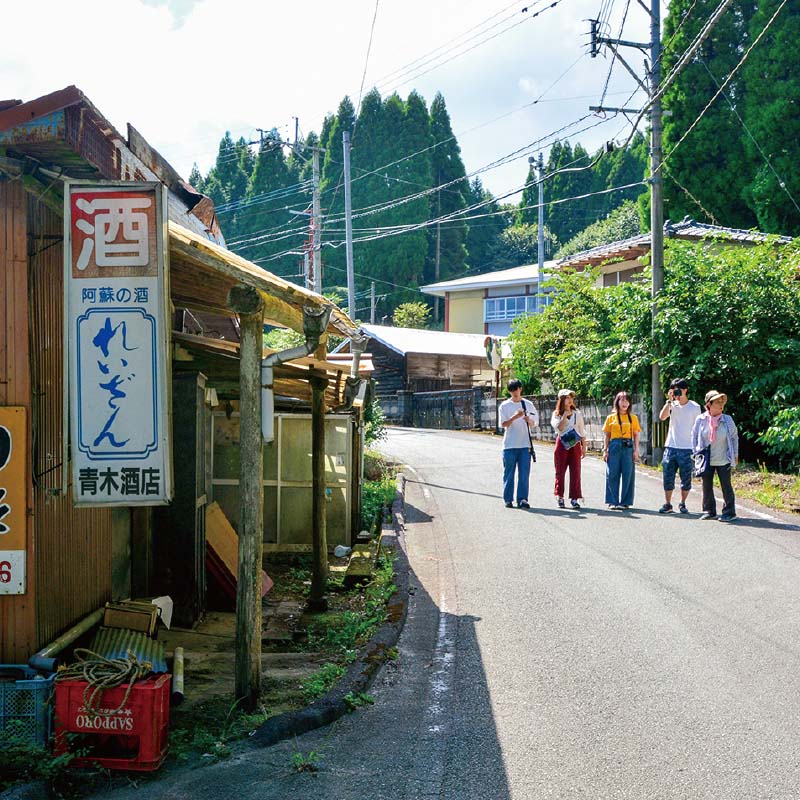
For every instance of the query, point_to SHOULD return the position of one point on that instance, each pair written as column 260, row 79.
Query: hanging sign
column 117, row 335
column 13, row 506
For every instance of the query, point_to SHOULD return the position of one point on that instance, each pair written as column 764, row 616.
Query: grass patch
column 322, row 680
column 771, row 489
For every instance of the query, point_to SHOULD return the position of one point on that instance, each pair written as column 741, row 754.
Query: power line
column 404, row 68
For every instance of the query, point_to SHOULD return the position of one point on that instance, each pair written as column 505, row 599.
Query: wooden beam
column 246, row 302
column 319, row 574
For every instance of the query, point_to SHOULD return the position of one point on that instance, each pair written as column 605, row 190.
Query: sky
column 183, row 72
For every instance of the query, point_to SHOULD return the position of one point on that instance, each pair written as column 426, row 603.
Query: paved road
column 556, row 654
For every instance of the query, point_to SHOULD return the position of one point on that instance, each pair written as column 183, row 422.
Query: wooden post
column 319, row 576
column 246, row 302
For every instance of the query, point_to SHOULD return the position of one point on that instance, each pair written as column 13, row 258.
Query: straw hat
column 715, row 395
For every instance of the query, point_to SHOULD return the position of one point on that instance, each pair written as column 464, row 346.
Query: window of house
column 502, row 308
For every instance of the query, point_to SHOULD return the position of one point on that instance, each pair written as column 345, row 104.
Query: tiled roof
column 688, row 229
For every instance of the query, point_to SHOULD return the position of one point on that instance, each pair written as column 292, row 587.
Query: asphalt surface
column 560, row 654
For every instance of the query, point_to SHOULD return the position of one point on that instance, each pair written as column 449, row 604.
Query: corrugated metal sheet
column 118, row 642
column 413, row 340
column 72, row 547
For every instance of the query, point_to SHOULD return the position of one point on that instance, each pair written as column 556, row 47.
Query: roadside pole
column 540, row 244
column 319, row 571
column 348, row 226
column 246, row 302
column 317, row 255
column 656, row 214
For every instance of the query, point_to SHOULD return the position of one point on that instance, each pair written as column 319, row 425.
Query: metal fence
column 476, row 409
column 454, row 409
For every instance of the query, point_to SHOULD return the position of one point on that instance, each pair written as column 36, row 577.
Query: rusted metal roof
column 118, row 642
column 64, row 132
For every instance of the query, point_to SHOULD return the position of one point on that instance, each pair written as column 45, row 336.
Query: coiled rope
column 101, row 673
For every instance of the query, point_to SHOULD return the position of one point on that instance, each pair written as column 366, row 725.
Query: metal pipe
column 358, row 344
column 177, row 677
column 315, row 323
column 43, row 661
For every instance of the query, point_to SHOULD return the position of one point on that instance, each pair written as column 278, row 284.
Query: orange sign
column 13, row 507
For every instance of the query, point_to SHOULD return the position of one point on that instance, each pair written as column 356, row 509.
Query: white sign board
column 117, row 333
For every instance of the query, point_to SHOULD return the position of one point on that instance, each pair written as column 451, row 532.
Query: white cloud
column 185, row 71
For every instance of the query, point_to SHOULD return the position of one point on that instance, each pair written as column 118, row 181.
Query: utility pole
column 317, row 255
column 372, row 303
column 651, row 86
column 540, row 245
column 348, row 226
column 437, row 271
column 656, row 210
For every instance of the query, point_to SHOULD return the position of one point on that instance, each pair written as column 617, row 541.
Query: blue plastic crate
column 25, row 697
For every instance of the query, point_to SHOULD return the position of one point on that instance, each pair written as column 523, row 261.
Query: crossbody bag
column 530, row 438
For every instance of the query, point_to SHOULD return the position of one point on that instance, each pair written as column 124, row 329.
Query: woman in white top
column 567, row 421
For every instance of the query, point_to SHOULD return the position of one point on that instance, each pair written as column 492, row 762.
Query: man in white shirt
column 681, row 412
column 516, row 416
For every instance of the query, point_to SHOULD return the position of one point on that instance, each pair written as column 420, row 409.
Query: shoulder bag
column 701, row 462
column 570, row 438
column 530, row 438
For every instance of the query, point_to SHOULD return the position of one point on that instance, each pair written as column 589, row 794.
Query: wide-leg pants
column 568, row 458
column 620, row 474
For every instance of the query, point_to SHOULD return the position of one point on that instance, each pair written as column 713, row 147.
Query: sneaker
column 682, row 508
column 523, row 504
column 614, row 507
column 727, row 517
column 625, row 508
column 561, row 502
column 708, row 515
column 575, row 504
column 666, row 509
column 509, row 505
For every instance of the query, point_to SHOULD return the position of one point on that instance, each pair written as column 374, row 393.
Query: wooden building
column 413, row 360
column 78, row 558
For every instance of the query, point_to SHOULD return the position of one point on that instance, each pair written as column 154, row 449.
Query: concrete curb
column 361, row 673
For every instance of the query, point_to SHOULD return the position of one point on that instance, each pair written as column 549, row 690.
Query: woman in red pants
column 570, row 447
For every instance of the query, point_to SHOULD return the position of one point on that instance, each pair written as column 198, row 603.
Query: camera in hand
column 677, row 392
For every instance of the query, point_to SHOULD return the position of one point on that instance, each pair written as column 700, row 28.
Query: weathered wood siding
column 17, row 612
column 73, row 547
column 448, row 371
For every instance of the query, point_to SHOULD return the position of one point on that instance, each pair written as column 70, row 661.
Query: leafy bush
column 375, row 496
column 621, row 223
column 374, row 423
column 412, row 315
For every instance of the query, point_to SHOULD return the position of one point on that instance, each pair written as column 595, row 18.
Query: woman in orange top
column 621, row 451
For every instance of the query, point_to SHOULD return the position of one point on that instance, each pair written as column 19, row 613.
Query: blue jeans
column 516, row 459
column 677, row 458
column 620, row 469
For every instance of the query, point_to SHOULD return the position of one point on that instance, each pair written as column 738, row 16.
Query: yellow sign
column 13, row 506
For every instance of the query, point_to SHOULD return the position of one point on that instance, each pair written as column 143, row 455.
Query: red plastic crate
column 136, row 738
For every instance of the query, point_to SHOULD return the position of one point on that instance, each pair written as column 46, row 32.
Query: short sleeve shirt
column 628, row 427
column 516, row 434
column 681, row 422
